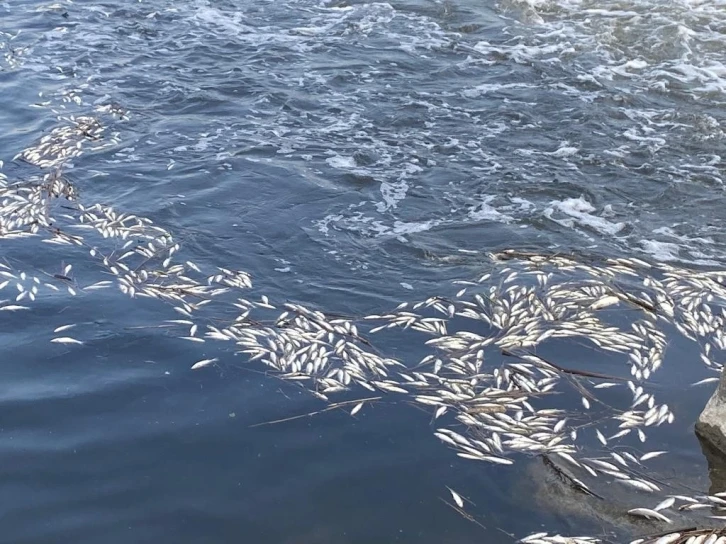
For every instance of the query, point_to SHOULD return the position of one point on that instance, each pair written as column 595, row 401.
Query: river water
column 349, row 155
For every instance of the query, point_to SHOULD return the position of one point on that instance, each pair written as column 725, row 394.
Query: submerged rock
column 711, row 424
column 716, row 466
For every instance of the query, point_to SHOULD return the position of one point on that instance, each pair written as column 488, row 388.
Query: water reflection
column 716, row 461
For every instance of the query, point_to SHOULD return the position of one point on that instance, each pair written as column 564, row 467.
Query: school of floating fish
column 481, row 378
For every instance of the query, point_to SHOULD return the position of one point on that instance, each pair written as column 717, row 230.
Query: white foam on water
column 522, row 203
column 484, row 211
column 661, row 251
column 341, row 162
column 654, row 43
column 565, row 150
column 686, row 249
column 523, row 53
column 230, row 22
column 579, row 211
column 613, row 54
column 392, row 193
column 487, row 88
column 400, row 228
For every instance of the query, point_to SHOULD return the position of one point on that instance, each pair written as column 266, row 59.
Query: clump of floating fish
column 481, row 376
column 684, row 536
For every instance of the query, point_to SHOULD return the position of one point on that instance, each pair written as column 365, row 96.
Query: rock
column 716, row 466
column 711, row 424
column 548, row 487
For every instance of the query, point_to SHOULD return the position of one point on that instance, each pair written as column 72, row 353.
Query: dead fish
column 203, row 363
column 65, row 340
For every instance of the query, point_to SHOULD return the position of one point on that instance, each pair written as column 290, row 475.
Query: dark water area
column 349, row 156
column 103, row 444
